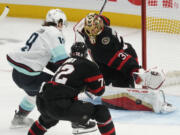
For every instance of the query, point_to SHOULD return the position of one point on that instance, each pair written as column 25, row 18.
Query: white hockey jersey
column 45, row 45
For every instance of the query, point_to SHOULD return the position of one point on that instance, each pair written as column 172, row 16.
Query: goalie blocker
column 150, row 99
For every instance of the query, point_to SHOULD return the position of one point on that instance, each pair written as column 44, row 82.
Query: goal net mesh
column 163, row 16
column 163, row 30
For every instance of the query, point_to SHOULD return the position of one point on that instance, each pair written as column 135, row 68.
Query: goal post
column 143, row 21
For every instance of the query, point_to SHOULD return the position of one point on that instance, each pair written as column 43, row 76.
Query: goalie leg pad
column 135, row 99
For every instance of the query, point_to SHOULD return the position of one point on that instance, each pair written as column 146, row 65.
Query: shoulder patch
column 105, row 40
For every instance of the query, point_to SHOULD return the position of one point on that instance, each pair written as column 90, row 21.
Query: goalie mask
column 79, row 49
column 55, row 16
column 93, row 25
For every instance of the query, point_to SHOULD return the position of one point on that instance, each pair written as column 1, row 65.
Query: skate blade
column 18, row 126
column 85, row 132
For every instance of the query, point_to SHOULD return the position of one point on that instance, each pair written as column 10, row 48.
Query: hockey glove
column 152, row 78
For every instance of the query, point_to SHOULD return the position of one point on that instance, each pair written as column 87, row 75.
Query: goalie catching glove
column 152, row 78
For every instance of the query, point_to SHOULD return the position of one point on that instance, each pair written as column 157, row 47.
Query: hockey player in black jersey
column 57, row 99
column 117, row 60
column 118, row 63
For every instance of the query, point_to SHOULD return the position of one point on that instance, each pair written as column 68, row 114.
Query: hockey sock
column 22, row 112
column 36, row 129
column 26, row 105
column 47, row 122
column 106, row 128
column 104, row 122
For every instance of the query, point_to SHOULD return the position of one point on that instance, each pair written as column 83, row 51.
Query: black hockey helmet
column 79, row 49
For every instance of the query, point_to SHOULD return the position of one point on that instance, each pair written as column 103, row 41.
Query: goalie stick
column 4, row 13
column 102, row 8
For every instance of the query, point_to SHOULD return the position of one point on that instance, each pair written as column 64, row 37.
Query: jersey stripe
column 110, row 132
column 123, row 62
column 32, row 133
column 94, row 78
column 114, row 57
column 22, row 68
column 40, row 126
column 97, row 90
column 104, row 124
column 19, row 64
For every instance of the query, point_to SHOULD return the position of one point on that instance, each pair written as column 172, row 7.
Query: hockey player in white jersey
column 45, row 48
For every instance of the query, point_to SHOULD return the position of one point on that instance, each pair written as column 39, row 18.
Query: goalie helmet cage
column 160, row 16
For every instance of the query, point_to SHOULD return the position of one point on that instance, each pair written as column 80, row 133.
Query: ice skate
column 89, row 127
column 20, row 121
column 167, row 108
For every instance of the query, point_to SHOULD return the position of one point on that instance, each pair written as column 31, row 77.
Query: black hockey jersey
column 80, row 74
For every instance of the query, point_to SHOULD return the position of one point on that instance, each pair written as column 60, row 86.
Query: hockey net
column 161, row 26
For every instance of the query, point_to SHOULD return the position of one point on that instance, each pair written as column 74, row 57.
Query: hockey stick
column 102, row 8
column 91, row 96
column 4, row 13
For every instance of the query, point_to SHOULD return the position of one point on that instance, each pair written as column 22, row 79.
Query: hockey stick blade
column 4, row 13
column 102, row 8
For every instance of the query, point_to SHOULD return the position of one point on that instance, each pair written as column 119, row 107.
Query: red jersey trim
column 123, row 62
column 137, row 60
column 32, row 133
column 52, row 82
column 97, row 90
column 106, row 123
column 39, row 126
column 94, row 78
column 20, row 65
column 114, row 57
column 106, row 20
column 110, row 132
